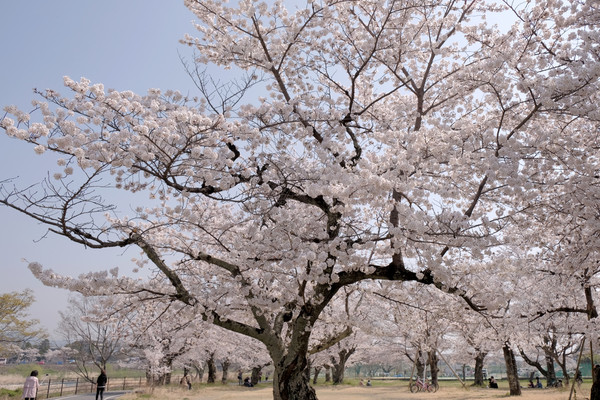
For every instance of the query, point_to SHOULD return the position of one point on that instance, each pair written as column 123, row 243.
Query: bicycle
column 420, row 385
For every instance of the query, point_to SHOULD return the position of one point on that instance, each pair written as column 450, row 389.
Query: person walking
column 31, row 386
column 186, row 381
column 101, row 384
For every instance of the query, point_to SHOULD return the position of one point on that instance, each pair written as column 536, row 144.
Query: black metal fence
column 62, row 387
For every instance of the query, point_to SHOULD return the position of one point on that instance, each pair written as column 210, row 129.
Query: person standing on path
column 31, row 386
column 101, row 384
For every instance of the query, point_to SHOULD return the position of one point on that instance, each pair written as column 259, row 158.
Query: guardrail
column 61, row 387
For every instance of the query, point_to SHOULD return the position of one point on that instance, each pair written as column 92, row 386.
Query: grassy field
column 14, row 373
column 395, row 390
column 12, row 376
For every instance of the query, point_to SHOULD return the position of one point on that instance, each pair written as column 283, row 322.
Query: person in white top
column 31, row 386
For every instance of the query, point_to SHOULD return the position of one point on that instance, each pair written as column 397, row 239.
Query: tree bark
column 433, row 366
column 225, row 367
column 511, row 370
column 212, row 369
column 595, row 392
column 327, row 373
column 340, row 366
column 199, row 371
column 420, row 366
column 479, row 358
column 290, row 380
column 551, row 376
column 316, row 374
column 255, row 375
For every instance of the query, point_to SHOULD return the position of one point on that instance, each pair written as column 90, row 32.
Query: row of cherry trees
column 382, row 146
column 416, row 326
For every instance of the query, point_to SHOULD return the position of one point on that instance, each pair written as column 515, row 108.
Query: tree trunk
column 511, row 370
column 534, row 363
column 199, row 371
column 316, row 375
column 164, row 378
column 563, row 368
column 595, row 393
column 433, row 366
column 551, row 376
column 212, row 369
column 255, row 375
column 340, row 366
column 327, row 373
column 225, row 367
column 420, row 366
column 290, row 380
column 168, row 374
column 479, row 358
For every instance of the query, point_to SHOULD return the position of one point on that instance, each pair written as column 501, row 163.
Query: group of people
column 362, row 382
column 32, row 385
column 247, row 381
column 244, row 381
column 537, row 384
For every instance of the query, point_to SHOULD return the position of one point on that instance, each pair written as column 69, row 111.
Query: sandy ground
column 366, row 393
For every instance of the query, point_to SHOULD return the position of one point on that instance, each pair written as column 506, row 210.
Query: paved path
column 92, row 396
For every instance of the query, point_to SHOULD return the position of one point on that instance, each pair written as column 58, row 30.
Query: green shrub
column 9, row 394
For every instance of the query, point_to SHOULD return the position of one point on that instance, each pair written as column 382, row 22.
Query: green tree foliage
column 44, row 346
column 16, row 327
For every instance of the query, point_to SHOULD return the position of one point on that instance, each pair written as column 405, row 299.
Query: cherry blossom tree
column 161, row 333
column 472, row 344
column 87, row 327
column 383, row 140
column 231, row 350
column 558, row 344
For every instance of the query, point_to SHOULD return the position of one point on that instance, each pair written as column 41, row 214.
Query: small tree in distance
column 88, row 329
column 16, row 328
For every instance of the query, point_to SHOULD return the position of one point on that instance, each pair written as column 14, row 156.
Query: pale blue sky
column 125, row 44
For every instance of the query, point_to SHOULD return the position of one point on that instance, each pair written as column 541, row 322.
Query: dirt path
column 365, row 393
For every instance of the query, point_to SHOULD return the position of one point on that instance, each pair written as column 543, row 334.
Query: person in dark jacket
column 101, row 384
